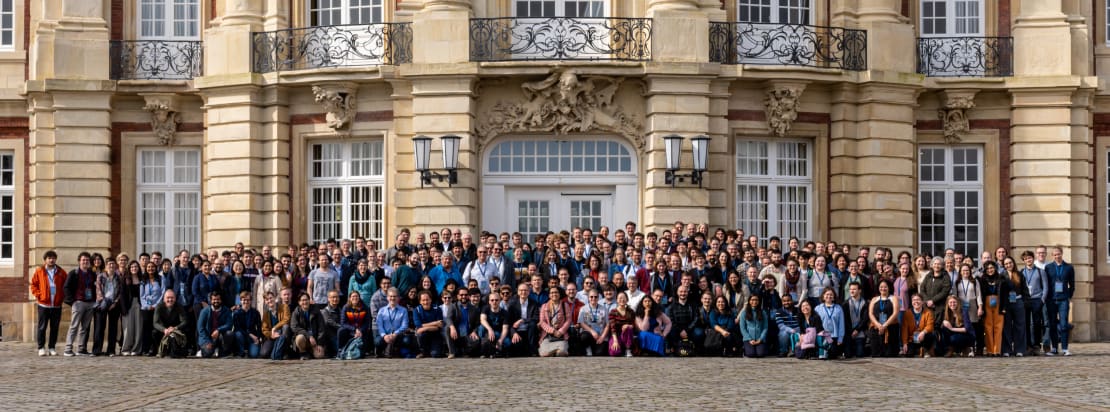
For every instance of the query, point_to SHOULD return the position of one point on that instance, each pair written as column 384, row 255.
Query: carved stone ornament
column 954, row 116
column 781, row 107
column 164, row 118
column 564, row 102
column 338, row 102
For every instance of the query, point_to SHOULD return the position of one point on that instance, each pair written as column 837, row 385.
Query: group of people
column 682, row 292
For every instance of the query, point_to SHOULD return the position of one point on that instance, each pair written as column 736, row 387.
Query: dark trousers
column 926, row 343
column 224, row 343
column 755, row 351
column 48, row 318
column 1014, row 335
column 430, row 343
column 1034, row 322
column 531, row 344
column 586, row 340
column 107, row 319
column 952, row 341
column 390, row 350
column 886, row 344
column 146, row 332
column 855, row 347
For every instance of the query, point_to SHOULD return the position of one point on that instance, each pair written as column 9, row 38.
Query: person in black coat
column 524, row 317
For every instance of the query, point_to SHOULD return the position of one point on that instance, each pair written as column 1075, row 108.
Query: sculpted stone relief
column 338, row 103
column 563, row 103
column 163, row 120
column 954, row 116
column 781, row 108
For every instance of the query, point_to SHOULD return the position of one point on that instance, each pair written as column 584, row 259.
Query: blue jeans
column 247, row 347
column 402, row 341
column 787, row 341
column 1058, row 317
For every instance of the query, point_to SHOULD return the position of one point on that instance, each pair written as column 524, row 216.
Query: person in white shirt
column 635, row 295
column 481, row 270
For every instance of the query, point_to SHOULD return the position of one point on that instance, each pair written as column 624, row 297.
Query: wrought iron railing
column 788, row 44
column 965, row 56
column 560, row 38
column 331, row 46
column 155, row 59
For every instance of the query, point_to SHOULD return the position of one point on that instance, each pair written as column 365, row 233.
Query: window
column 168, row 196
column 560, row 8
column 950, row 199
column 552, row 156
column 774, row 11
column 7, row 207
column 340, row 12
column 533, row 217
column 346, row 186
column 774, row 187
column 951, row 18
column 7, row 24
column 169, row 19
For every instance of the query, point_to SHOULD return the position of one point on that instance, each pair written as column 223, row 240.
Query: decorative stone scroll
column 164, row 117
column 338, row 101
column 781, row 106
column 954, row 114
column 563, row 103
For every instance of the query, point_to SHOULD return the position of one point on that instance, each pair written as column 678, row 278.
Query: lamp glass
column 450, row 151
column 421, row 151
column 701, row 151
column 673, row 147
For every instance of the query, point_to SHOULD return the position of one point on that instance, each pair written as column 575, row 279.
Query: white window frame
column 595, row 8
column 173, row 229
column 776, row 9
column 952, row 19
column 8, row 190
column 584, row 156
column 342, row 177
column 346, row 10
column 174, row 12
column 774, row 180
column 7, row 25
column 950, row 186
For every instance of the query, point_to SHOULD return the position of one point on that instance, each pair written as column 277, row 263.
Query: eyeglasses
column 505, row 293
column 593, row 296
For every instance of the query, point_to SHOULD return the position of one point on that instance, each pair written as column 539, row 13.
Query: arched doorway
column 533, row 185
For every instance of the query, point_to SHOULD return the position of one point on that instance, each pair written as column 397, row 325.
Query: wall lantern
column 422, row 148
column 673, row 146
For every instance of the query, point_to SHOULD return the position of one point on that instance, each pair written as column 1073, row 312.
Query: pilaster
column 872, row 166
column 1051, row 195
column 1042, row 40
column 678, row 19
column 679, row 105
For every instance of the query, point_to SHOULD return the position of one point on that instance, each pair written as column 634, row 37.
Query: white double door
column 539, row 210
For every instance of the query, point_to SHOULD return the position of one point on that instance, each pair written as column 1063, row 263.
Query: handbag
column 351, row 351
column 713, row 339
column 808, row 340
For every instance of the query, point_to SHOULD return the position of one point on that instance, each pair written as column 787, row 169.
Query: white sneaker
column 589, row 351
column 198, row 353
column 42, row 352
column 1067, row 352
column 52, row 352
column 1019, row 354
column 1050, row 353
column 1005, row 355
column 627, row 353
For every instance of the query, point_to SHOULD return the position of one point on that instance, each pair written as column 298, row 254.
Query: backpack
column 352, row 351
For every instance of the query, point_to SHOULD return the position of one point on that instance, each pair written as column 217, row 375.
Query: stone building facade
column 141, row 125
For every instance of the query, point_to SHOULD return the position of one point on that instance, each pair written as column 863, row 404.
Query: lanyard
column 966, row 286
column 828, row 311
column 917, row 320
column 662, row 282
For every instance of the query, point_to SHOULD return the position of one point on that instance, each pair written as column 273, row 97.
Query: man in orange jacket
column 46, row 286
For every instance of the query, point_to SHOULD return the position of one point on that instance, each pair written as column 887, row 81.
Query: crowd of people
column 682, row 292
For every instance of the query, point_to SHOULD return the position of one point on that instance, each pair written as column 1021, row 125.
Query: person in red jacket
column 46, row 287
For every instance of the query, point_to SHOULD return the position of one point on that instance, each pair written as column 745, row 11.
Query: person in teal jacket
column 214, row 328
column 753, row 326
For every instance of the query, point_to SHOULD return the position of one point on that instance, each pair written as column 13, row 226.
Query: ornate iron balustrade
column 155, row 59
column 560, row 38
column 965, row 56
column 331, row 46
column 788, row 44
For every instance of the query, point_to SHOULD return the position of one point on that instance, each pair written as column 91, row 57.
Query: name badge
column 88, row 294
column 1059, row 287
column 992, row 301
column 967, row 306
column 882, row 318
column 1013, row 297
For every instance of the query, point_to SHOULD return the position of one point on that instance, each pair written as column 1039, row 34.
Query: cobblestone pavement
column 1078, row 383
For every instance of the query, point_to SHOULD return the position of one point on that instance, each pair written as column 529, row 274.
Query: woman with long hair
column 753, row 328
column 150, row 294
column 1014, row 335
column 884, row 331
column 723, row 336
column 654, row 326
column 957, row 335
column 995, row 290
column 905, row 285
column 622, row 327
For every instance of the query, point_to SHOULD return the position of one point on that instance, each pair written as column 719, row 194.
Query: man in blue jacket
column 214, row 328
column 1061, row 287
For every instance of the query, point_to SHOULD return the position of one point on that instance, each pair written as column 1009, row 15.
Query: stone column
column 69, row 174
column 891, row 38
column 442, row 102
column 678, row 105
column 1050, row 152
column 246, row 144
column 718, row 179
column 871, row 167
column 678, row 19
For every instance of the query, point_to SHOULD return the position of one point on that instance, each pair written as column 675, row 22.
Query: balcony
column 155, row 59
column 560, row 38
column 788, row 45
column 331, row 46
column 965, row 56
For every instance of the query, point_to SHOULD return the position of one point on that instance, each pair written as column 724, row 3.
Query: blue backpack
column 352, row 351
